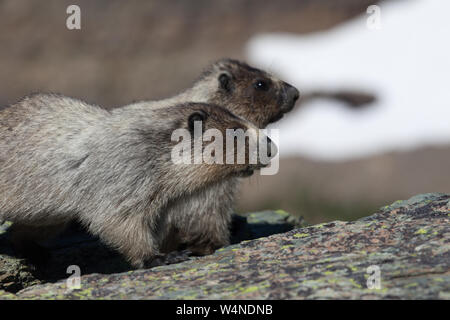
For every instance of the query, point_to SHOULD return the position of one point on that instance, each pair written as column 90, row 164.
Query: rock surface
column 76, row 247
column 409, row 241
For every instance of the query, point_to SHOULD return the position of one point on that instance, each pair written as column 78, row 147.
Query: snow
column 406, row 64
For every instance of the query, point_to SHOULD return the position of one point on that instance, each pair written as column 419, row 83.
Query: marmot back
column 63, row 159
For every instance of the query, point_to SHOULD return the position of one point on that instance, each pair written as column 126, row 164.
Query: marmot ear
column 225, row 81
column 198, row 115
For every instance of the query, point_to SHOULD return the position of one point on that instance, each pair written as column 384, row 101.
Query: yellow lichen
column 301, row 235
column 421, row 231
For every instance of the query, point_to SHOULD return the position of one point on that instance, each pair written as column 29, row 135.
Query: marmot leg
column 131, row 236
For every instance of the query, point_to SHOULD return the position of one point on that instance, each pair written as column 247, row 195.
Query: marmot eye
column 196, row 116
column 224, row 81
column 261, row 85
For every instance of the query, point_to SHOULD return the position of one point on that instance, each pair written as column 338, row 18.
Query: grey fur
column 203, row 218
column 62, row 159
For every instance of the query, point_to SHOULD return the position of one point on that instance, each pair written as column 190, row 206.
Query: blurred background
column 373, row 125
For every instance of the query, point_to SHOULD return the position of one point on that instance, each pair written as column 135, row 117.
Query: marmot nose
column 272, row 149
column 292, row 93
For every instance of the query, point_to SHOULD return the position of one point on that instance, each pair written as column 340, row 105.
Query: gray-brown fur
column 62, row 159
column 203, row 219
column 240, row 94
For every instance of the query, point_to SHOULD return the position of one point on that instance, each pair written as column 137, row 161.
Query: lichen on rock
column 400, row 252
column 76, row 247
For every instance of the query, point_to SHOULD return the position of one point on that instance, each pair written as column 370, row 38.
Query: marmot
column 204, row 218
column 62, row 159
column 244, row 90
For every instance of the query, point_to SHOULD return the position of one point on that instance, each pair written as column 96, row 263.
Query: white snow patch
column 406, row 64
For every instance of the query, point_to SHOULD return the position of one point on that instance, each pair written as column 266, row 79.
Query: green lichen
column 7, row 295
column 282, row 213
column 356, row 284
column 329, row 265
column 250, row 289
column 301, row 235
column 421, row 231
column 254, row 288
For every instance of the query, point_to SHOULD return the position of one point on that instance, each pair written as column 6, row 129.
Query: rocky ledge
column 400, row 252
column 77, row 248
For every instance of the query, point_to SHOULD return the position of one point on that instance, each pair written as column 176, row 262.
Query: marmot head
column 209, row 143
column 248, row 92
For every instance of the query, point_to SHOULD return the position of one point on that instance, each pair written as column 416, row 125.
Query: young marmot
column 203, row 219
column 62, row 159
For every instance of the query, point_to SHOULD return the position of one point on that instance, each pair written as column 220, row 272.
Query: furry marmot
column 247, row 92
column 62, row 159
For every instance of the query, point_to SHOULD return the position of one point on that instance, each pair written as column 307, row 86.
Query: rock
column 406, row 243
column 13, row 271
column 76, row 247
column 262, row 224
